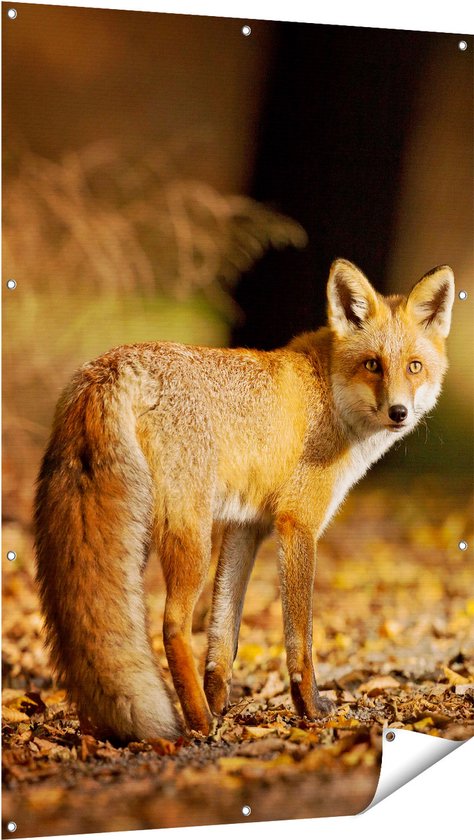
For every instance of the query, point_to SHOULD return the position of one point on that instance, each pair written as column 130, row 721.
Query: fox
column 154, row 444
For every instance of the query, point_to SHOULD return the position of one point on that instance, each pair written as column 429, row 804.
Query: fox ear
column 430, row 302
column 351, row 298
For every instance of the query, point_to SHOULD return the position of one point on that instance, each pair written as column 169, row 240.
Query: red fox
column 156, row 442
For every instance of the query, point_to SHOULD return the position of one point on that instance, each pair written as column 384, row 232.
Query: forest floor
column 393, row 646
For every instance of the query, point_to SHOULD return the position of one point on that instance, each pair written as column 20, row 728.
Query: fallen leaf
column 13, row 715
column 163, row 747
column 9, row 695
column 391, row 629
column 54, row 698
column 354, row 756
column 455, row 678
column 341, row 723
column 303, row 736
column 261, row 747
column 234, row 764
column 423, row 724
column 43, row 745
column 377, row 685
column 255, row 732
column 273, row 686
column 468, row 688
column 89, row 746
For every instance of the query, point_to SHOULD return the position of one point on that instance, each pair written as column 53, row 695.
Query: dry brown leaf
column 163, row 747
column 108, row 751
column 138, row 747
column 9, row 695
column 252, row 733
column 13, row 715
column 261, row 747
column 468, row 688
column 43, row 745
column 273, row 686
column 377, row 685
column 89, row 747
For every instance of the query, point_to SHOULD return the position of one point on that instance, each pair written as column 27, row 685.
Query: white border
column 436, row 803
column 456, row 16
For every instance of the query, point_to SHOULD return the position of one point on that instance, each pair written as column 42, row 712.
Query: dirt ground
column 393, row 646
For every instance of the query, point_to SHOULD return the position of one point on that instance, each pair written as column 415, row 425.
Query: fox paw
column 325, row 706
column 308, row 701
column 216, row 689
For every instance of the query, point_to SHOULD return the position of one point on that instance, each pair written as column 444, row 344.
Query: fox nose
column 397, row 413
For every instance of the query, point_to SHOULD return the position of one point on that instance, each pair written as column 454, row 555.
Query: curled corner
column 406, row 754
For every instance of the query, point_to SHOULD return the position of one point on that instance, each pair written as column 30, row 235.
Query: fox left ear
column 430, row 302
column 351, row 298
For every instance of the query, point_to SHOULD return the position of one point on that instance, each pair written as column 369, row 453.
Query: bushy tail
column 93, row 524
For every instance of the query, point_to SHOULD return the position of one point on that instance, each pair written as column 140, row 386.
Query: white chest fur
column 363, row 454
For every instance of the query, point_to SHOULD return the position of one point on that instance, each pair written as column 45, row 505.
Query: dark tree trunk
column 338, row 109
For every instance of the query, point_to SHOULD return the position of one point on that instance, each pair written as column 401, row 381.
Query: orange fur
column 166, row 442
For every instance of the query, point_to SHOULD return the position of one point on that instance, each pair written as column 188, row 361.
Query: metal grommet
column 390, row 736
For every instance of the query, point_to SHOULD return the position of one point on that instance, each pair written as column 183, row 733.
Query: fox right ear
column 430, row 302
column 351, row 298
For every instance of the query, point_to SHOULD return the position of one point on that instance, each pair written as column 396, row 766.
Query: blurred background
column 151, row 163
column 168, row 177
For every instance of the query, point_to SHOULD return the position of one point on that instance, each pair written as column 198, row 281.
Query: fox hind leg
column 185, row 561
column 238, row 550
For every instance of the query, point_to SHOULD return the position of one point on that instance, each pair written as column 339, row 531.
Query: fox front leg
column 297, row 566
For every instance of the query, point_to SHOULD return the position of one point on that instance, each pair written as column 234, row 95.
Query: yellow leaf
column 342, row 723
column 12, row 715
column 9, row 695
column 370, row 757
column 232, row 764
column 423, row 724
column 454, row 678
column 54, row 698
column 470, row 607
column 391, row 629
column 342, row 641
column 354, row 756
column 302, row 735
column 252, row 733
column 249, row 652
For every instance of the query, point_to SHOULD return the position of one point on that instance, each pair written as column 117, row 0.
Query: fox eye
column 415, row 367
column 372, row 365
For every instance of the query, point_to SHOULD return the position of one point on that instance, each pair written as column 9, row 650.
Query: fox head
column 389, row 358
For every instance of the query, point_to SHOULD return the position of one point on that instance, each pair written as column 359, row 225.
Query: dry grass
column 121, row 225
